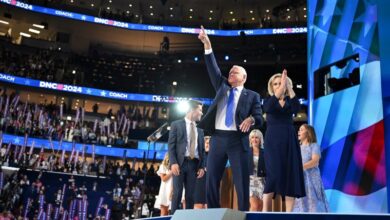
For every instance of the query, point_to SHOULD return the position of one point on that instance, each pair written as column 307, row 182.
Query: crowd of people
column 47, row 120
column 95, row 69
column 120, row 183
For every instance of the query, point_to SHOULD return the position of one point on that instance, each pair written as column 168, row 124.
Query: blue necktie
column 230, row 108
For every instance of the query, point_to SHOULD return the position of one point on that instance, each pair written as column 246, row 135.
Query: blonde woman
column 282, row 154
column 163, row 200
column 257, row 179
column 315, row 200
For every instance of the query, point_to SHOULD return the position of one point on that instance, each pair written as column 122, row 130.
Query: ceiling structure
column 183, row 64
column 226, row 14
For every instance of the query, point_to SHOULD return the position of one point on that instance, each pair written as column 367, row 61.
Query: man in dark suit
column 186, row 153
column 234, row 111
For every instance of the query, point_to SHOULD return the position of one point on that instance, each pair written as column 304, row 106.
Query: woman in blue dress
column 315, row 200
column 283, row 162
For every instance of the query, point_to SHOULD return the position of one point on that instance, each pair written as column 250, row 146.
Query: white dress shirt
column 221, row 111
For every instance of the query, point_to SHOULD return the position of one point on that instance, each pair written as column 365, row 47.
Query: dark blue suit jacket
column 177, row 143
column 248, row 103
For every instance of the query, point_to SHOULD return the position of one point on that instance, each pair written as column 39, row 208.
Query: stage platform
column 211, row 215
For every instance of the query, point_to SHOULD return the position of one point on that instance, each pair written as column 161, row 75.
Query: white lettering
column 49, row 85
column 64, row 13
column 155, row 28
column 210, row 32
column 118, row 95
column 7, row 78
column 6, row 1
column 279, row 31
column 188, row 30
column 101, row 20
column 120, row 24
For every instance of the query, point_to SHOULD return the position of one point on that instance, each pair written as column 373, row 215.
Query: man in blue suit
column 186, row 155
column 234, row 111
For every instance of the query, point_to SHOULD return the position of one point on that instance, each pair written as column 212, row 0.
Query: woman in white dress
column 163, row 200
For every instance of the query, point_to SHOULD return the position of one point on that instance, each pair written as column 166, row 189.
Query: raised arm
column 204, row 38
column 211, row 64
column 281, row 90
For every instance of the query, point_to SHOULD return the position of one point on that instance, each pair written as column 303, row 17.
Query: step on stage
column 229, row 214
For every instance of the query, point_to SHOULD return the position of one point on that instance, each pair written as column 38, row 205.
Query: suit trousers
column 186, row 178
column 226, row 145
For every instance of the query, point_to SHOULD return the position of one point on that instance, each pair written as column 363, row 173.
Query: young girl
column 163, row 199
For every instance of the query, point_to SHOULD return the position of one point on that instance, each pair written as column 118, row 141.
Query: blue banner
column 96, row 92
column 156, row 28
column 99, row 149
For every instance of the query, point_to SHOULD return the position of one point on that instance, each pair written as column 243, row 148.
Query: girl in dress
column 315, row 200
column 163, row 200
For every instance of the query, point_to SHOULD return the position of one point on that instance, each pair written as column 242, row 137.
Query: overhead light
column 288, row 9
column 174, row 83
column 34, row 31
column 190, row 16
column 183, row 106
column 92, row 5
column 151, row 6
column 171, row 15
column 39, row 26
column 25, row 34
column 191, row 9
column 231, row 12
column 288, row 17
column 171, row 8
column 304, row 16
column 179, row 60
column 151, row 14
column 211, row 11
column 130, row 5
column 210, row 18
column 110, row 1
column 74, row 71
column 108, row 8
column 304, row 9
column 233, row 19
column 251, row 11
column 253, row 18
column 4, row 22
column 128, row 12
column 227, row 57
column 244, row 61
column 267, row 10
